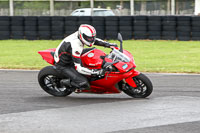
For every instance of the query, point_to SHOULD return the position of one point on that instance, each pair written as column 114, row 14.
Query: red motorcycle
column 119, row 74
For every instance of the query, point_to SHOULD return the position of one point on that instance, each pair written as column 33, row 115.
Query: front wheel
column 144, row 87
column 49, row 81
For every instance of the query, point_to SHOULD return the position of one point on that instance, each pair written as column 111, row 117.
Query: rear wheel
column 49, row 81
column 144, row 87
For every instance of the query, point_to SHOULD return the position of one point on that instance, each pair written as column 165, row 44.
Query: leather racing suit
column 68, row 61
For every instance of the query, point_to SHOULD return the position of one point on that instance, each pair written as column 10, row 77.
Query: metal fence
column 119, row 7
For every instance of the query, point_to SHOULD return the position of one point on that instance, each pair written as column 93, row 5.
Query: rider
column 67, row 56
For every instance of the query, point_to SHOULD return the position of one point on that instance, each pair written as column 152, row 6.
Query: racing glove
column 111, row 44
column 98, row 73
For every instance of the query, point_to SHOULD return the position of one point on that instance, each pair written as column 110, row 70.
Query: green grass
column 150, row 56
column 23, row 54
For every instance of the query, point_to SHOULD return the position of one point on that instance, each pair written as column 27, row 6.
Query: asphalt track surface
column 173, row 107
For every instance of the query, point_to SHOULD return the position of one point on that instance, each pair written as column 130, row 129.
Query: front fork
column 130, row 80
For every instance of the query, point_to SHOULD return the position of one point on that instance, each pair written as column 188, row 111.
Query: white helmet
column 87, row 34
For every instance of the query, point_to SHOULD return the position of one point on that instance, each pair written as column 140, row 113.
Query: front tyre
column 49, row 81
column 144, row 87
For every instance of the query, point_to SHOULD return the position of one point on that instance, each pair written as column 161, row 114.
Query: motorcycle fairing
column 47, row 55
column 108, row 83
column 130, row 80
column 92, row 59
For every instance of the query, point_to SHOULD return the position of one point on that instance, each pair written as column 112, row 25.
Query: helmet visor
column 89, row 39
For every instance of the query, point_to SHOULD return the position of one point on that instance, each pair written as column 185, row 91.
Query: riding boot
column 81, row 86
column 66, row 82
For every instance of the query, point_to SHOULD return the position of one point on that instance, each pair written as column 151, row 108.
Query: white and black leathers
column 69, row 52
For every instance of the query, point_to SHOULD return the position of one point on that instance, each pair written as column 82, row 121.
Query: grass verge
column 150, row 56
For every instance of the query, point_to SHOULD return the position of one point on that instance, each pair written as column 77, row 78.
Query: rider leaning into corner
column 67, row 56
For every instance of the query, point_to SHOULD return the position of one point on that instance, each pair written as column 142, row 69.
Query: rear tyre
column 49, row 81
column 144, row 87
